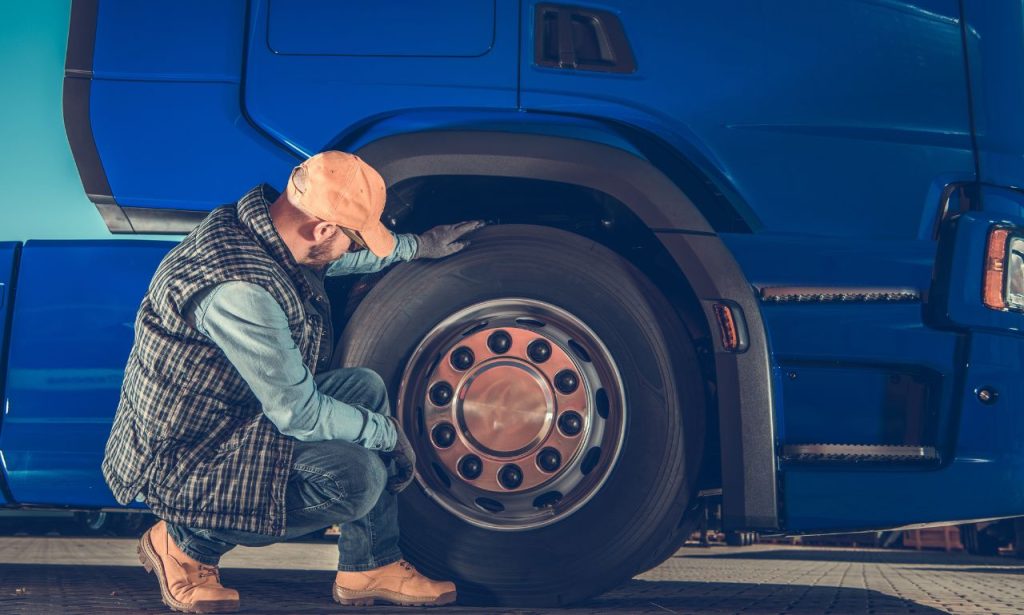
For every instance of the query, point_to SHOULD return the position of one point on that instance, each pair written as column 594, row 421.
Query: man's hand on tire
column 405, row 460
column 443, row 240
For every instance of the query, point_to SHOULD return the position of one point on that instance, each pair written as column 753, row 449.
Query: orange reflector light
column 727, row 326
column 995, row 268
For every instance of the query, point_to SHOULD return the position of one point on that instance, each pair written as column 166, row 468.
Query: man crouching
column 232, row 428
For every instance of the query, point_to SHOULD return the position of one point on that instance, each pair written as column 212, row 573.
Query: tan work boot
column 398, row 583
column 185, row 584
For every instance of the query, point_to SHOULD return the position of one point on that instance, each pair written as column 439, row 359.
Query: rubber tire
column 734, row 539
column 978, row 541
column 608, row 540
column 97, row 523
column 674, row 541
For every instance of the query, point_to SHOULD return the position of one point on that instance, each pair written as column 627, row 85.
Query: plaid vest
column 189, row 435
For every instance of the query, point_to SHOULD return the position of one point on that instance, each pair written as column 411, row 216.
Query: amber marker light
column 731, row 327
column 995, row 268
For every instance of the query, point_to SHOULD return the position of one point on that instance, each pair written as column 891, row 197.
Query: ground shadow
column 977, row 570
column 874, row 556
column 40, row 589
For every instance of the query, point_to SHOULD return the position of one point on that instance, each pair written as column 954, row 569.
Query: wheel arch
column 743, row 380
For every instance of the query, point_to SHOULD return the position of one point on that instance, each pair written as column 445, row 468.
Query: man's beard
column 320, row 255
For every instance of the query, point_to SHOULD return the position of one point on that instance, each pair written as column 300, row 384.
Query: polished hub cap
column 504, row 406
column 505, row 396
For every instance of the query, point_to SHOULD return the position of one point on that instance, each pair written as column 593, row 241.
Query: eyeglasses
column 354, row 236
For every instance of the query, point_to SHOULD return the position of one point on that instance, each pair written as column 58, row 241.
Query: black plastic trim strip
column 81, row 38
column 749, row 464
column 114, row 217
column 746, row 410
column 77, row 121
column 629, row 178
column 152, row 220
column 7, row 313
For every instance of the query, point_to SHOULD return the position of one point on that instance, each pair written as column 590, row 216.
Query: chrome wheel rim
column 517, row 413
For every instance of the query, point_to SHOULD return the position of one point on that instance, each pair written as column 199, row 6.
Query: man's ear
column 299, row 178
column 323, row 231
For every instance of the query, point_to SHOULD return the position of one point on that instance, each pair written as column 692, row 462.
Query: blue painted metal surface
column 982, row 479
column 74, row 315
column 994, row 39
column 456, row 28
column 181, row 41
column 204, row 165
column 8, row 262
column 834, row 128
column 339, row 92
column 777, row 105
column 825, row 117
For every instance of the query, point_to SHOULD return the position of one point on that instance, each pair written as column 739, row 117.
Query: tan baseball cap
column 342, row 189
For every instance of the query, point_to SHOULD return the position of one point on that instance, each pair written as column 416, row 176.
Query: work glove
column 404, row 457
column 443, row 240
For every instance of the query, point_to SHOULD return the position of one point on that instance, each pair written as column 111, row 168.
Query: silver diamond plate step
column 857, row 452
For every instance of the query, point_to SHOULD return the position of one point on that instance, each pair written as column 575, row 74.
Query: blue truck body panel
column 980, row 479
column 149, row 119
column 339, row 91
column 824, row 117
column 309, row 27
column 993, row 38
column 832, row 132
column 74, row 315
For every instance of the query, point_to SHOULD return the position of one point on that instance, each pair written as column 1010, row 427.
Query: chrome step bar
column 858, row 452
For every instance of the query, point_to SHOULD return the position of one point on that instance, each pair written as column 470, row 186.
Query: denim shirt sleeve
column 364, row 261
column 250, row 327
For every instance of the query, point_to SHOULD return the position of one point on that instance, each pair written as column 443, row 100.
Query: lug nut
column 539, row 351
column 462, row 358
column 499, row 342
column 566, row 381
column 443, row 435
column 549, row 459
column 510, row 476
column 441, row 394
column 471, row 467
column 570, row 423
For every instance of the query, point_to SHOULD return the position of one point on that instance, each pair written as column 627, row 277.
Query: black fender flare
column 744, row 391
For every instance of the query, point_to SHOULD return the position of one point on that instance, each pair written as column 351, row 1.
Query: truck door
column 757, row 92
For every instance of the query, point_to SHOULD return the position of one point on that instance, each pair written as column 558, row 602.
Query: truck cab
column 763, row 252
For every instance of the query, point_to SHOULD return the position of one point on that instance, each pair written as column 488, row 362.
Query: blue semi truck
column 767, row 251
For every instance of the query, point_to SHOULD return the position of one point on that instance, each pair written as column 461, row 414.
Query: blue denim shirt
column 250, row 327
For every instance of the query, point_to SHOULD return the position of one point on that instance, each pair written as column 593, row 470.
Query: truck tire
column 97, row 522
column 557, row 409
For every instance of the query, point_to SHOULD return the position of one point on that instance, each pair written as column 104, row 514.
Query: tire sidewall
column 646, row 492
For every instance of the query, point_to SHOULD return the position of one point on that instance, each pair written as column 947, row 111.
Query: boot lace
column 406, row 565
column 209, row 571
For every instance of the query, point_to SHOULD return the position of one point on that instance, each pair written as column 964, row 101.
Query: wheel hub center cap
column 509, row 406
column 506, row 407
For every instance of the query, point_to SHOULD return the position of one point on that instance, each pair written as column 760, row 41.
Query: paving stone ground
column 40, row 575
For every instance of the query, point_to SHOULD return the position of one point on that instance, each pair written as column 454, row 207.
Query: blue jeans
column 329, row 482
